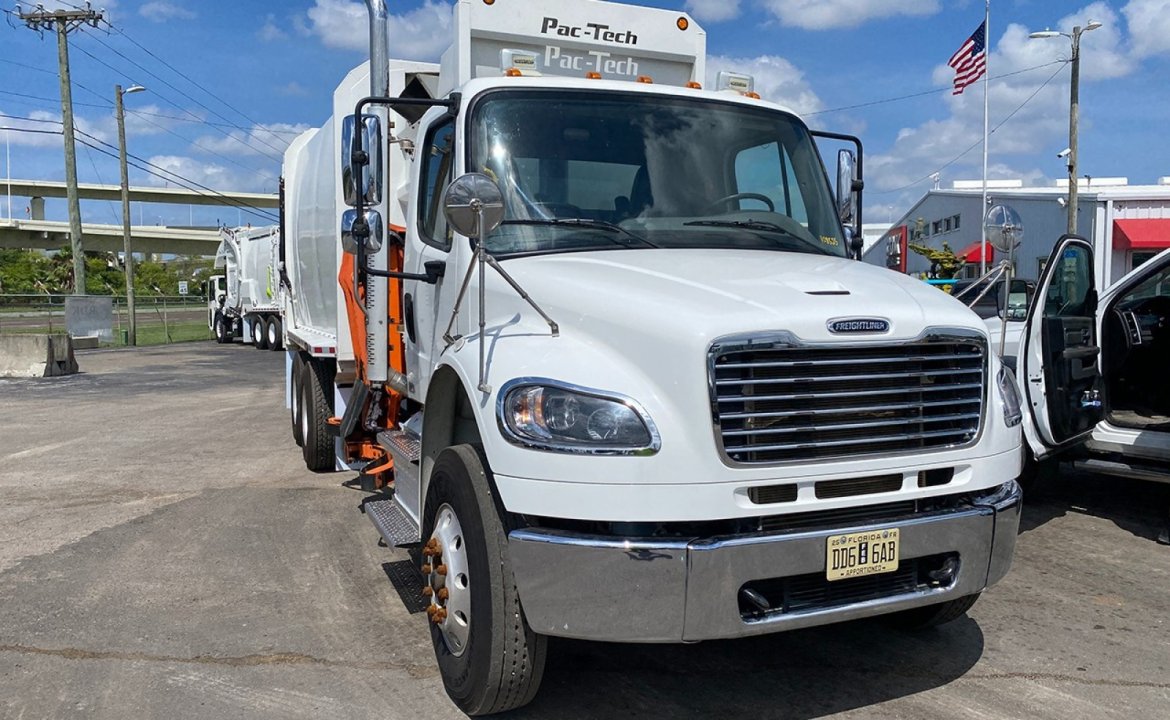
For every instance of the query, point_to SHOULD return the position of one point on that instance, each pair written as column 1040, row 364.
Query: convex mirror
column 474, row 205
column 370, row 172
column 1005, row 229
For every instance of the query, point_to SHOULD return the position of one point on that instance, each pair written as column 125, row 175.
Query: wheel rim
column 257, row 333
column 272, row 333
column 450, row 611
column 304, row 422
column 219, row 328
column 296, row 400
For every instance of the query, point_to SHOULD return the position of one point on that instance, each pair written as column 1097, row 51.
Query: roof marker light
column 737, row 82
column 695, row 85
column 592, row 75
column 646, row 79
column 753, row 95
column 682, row 23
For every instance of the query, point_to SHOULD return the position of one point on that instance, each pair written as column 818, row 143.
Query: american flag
column 970, row 60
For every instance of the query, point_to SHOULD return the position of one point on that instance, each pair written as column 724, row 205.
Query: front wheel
column 222, row 331
column 489, row 658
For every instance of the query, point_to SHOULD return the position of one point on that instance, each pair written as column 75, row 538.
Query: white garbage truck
column 590, row 324
column 244, row 301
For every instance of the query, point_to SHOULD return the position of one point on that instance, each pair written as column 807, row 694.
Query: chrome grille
column 778, row 401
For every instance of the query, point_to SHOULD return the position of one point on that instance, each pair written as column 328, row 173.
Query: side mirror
column 1019, row 299
column 846, row 174
column 474, row 205
column 367, row 231
column 367, row 166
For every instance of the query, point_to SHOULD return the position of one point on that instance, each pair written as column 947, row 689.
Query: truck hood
column 699, row 295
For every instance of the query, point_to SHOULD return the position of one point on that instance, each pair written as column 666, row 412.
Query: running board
column 393, row 524
column 1112, row 467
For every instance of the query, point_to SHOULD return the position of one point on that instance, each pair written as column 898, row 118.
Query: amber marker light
column 510, row 72
column 646, row 79
column 682, row 22
column 592, row 75
column 694, row 85
column 489, row 2
column 752, row 95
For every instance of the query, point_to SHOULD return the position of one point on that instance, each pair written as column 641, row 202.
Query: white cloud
column 270, row 30
column 208, row 174
column 420, row 34
column 259, row 140
column 1149, row 26
column 161, row 11
column 777, row 80
column 713, row 10
column 830, row 14
column 293, row 89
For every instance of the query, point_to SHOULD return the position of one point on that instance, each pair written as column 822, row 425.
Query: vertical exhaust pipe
column 377, row 289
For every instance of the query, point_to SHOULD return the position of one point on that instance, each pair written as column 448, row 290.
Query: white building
column 1128, row 225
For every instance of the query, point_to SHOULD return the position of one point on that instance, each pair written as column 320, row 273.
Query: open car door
column 1060, row 357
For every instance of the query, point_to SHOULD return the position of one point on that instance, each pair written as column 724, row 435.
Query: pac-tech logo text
column 591, row 31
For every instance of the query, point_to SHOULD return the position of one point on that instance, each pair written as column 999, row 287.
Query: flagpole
column 986, row 96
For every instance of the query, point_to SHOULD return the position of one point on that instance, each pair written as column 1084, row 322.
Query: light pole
column 132, row 333
column 1073, row 110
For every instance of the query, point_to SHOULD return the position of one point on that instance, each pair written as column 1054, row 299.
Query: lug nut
column 439, row 616
column 442, row 570
column 427, row 591
column 443, row 594
column 426, row 569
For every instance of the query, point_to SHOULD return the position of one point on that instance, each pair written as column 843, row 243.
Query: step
column 393, row 524
column 401, row 444
column 1136, row 471
column 406, row 449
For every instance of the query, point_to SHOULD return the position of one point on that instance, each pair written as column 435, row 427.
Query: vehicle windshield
column 587, row 170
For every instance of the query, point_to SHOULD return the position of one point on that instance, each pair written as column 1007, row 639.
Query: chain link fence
column 161, row 319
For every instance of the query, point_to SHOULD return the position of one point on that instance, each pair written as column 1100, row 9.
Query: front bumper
column 688, row 589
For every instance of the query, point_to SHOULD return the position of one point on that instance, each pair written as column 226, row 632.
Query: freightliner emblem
column 859, row 325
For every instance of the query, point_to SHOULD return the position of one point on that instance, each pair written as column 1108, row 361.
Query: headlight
column 1012, row 413
column 555, row 416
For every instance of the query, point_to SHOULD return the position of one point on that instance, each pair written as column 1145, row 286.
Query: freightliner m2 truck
column 245, row 300
column 592, row 327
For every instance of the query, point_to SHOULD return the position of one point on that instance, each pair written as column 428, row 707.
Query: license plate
column 860, row 554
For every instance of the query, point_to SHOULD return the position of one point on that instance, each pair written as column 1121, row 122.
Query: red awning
column 971, row 253
column 1141, row 234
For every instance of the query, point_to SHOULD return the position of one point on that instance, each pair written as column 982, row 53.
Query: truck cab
column 595, row 335
column 1094, row 365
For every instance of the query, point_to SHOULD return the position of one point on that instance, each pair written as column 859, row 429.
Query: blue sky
column 271, row 68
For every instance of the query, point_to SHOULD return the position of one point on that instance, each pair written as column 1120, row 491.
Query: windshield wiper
column 756, row 225
column 585, row 223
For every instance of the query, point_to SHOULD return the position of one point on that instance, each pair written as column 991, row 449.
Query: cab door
column 427, row 307
column 1060, row 354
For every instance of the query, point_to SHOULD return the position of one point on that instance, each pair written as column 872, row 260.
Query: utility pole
column 128, row 252
column 65, row 22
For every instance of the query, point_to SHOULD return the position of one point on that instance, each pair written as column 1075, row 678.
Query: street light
column 132, row 334
column 1073, row 110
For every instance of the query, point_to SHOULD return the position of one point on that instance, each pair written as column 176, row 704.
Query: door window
column 438, row 163
column 1071, row 285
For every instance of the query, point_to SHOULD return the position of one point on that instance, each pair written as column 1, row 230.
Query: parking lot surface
column 164, row 553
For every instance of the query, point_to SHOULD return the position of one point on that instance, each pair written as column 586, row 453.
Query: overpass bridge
column 53, row 235
column 37, row 233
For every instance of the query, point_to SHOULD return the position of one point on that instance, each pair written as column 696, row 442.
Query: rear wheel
column 272, row 327
column 935, row 615
column 296, row 381
column 490, row 659
column 259, row 336
column 316, row 409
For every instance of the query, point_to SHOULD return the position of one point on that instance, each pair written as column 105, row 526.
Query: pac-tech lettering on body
column 595, row 60
column 595, row 31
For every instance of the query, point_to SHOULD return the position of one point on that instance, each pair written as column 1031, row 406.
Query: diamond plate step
column 395, row 527
column 402, row 444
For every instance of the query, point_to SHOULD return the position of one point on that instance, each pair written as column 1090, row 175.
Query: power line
column 191, row 184
column 976, row 144
column 114, row 50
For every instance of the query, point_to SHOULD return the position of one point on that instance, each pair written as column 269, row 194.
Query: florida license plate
column 860, row 554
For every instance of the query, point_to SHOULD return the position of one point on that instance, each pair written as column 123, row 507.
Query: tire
column 222, row 329
column 274, row 332
column 259, row 336
column 316, row 409
column 935, row 615
column 297, row 381
column 500, row 665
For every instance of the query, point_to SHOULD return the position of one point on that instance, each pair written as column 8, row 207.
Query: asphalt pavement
column 164, row 553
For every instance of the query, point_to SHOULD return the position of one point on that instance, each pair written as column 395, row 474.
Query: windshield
column 587, row 170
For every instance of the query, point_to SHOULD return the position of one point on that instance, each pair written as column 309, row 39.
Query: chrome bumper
column 686, row 590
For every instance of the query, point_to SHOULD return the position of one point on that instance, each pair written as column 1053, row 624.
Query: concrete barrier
column 36, row 356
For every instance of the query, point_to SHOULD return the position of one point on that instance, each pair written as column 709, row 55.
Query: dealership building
column 1128, row 224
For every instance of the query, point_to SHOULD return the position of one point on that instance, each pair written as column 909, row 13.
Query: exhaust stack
column 379, row 47
column 377, row 291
